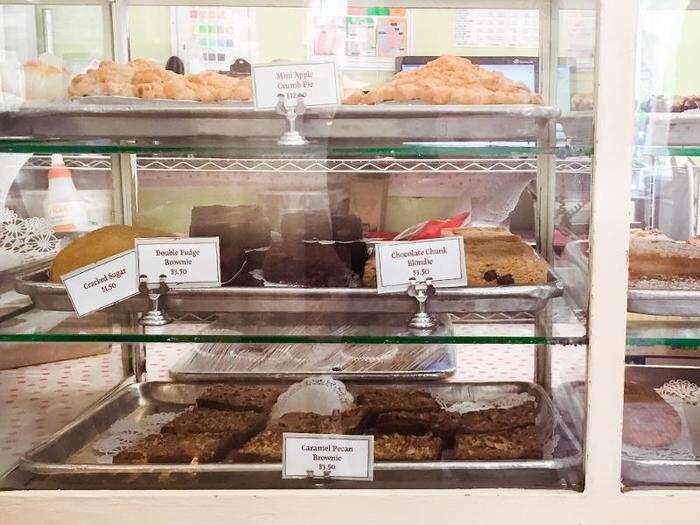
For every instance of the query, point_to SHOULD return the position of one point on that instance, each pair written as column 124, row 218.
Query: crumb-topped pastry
column 400, row 447
column 496, row 419
column 239, row 425
column 658, row 257
column 449, row 80
column 173, row 448
column 388, row 400
column 519, row 443
column 238, row 398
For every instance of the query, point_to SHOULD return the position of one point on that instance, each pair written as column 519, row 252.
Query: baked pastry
column 267, row 446
column 519, row 443
column 392, row 400
column 174, row 448
column 481, row 233
column 238, row 398
column 448, row 80
column 400, row 447
column 438, row 423
column 648, row 420
column 97, row 245
column 239, row 426
column 309, row 264
column 494, row 420
column 655, row 256
column 148, row 80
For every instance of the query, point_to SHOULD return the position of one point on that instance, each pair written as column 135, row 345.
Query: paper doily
column 505, row 401
column 681, row 389
column 30, row 239
column 125, row 433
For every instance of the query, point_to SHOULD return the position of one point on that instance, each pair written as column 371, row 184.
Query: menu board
column 497, row 28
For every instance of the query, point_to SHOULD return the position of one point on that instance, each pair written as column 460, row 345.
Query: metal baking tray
column 674, row 302
column 66, row 459
column 528, row 298
column 160, row 119
column 645, row 472
column 227, row 362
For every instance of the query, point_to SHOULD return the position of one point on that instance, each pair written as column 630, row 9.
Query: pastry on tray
column 438, row 423
column 240, row 426
column 389, row 400
column 147, row 80
column 519, row 443
column 400, row 447
column 653, row 255
column 176, row 448
column 239, row 398
column 448, row 80
column 97, row 245
column 648, row 421
column 496, row 419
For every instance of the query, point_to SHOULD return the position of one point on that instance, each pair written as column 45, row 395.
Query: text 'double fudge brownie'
column 400, row 447
column 396, row 400
column 240, row 426
column 496, row 419
column 519, row 443
column 238, row 398
column 172, row 448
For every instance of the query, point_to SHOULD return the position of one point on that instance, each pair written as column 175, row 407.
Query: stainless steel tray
column 66, row 459
column 636, row 471
column 530, row 298
column 160, row 119
column 227, row 362
column 685, row 303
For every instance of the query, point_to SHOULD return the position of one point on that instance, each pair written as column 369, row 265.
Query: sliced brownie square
column 238, row 398
column 392, row 400
column 172, row 448
column 496, row 419
column 520, row 443
column 399, row 447
column 239, row 426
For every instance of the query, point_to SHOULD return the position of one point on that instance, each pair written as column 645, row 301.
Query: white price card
column 103, row 283
column 316, row 81
column 327, row 456
column 441, row 260
column 193, row 262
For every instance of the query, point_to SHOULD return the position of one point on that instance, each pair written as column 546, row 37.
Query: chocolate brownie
column 242, row 226
column 496, row 419
column 267, row 446
column 391, row 400
column 354, row 254
column 238, row 398
column 172, row 448
column 346, row 227
column 306, row 225
column 313, row 265
column 439, row 423
column 399, row 447
column 519, row 443
column 240, row 426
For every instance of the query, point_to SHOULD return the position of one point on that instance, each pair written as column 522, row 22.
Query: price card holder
column 327, row 456
column 401, row 264
column 190, row 262
column 103, row 283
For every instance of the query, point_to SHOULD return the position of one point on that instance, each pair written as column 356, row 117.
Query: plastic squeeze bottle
column 63, row 207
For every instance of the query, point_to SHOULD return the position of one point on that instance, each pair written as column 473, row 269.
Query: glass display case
column 407, row 258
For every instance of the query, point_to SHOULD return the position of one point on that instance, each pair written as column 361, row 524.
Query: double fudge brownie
column 239, row 228
column 240, row 426
column 239, row 398
column 396, row 400
column 175, row 448
column 496, row 419
column 400, row 447
column 308, row 264
column 519, row 443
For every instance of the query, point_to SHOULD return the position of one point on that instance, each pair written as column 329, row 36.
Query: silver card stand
column 291, row 137
column 421, row 291
column 155, row 316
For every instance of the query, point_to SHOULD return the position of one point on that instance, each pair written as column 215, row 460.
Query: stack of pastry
column 147, row 80
column 656, row 257
column 449, row 80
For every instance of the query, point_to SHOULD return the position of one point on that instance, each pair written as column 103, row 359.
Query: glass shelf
column 681, row 333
